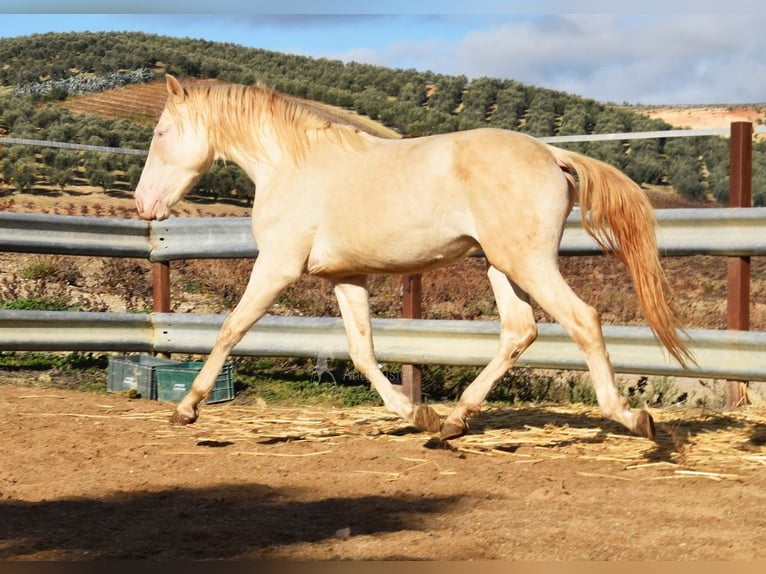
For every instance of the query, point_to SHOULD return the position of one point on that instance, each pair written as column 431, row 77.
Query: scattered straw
column 690, row 442
column 600, row 475
column 710, row 475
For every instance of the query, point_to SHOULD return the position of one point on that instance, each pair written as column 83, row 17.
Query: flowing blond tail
column 617, row 214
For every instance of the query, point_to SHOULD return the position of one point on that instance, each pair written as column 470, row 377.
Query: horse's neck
column 259, row 161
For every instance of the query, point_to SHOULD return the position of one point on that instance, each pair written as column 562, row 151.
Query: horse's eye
column 160, row 132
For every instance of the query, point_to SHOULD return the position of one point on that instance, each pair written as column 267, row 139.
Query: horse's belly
column 346, row 259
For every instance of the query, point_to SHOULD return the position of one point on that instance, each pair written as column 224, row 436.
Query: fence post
column 412, row 308
column 738, row 268
column 161, row 287
column 161, row 290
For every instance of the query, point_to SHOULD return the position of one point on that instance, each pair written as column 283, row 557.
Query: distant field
column 143, row 103
column 706, row 117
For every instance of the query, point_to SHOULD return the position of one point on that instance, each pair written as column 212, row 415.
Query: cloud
column 699, row 58
column 659, row 59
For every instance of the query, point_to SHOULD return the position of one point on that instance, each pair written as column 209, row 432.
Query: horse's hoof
column 645, row 425
column 453, row 429
column 426, row 419
column 179, row 419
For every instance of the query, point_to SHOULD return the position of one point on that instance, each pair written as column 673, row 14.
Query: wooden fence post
column 738, row 271
column 161, row 291
column 412, row 308
column 161, row 287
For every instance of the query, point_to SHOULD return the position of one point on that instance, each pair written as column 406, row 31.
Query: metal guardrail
column 658, row 134
column 201, row 238
column 73, row 235
column 619, row 136
column 74, row 331
column 72, row 146
column 715, row 231
column 721, row 354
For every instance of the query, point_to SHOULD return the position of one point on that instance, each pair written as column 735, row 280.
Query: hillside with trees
column 43, row 74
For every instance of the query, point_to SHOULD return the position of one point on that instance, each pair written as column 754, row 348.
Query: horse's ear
column 175, row 89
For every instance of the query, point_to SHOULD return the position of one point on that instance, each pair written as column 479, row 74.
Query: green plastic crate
column 174, row 381
column 135, row 373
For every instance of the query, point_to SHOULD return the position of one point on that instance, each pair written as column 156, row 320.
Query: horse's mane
column 241, row 115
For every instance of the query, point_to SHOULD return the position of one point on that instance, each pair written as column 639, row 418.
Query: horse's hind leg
column 267, row 280
column 353, row 300
column 545, row 284
column 518, row 331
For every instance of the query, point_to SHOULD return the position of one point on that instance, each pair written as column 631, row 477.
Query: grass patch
column 293, row 381
column 39, row 304
column 306, row 392
column 76, row 370
column 194, row 286
column 37, row 361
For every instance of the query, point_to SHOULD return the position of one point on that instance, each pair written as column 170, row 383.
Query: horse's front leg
column 353, row 300
column 267, row 281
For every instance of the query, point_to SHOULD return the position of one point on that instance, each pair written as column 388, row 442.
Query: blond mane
column 243, row 116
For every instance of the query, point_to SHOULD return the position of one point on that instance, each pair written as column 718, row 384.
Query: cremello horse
column 341, row 204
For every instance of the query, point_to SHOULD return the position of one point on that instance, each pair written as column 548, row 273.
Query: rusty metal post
column 412, row 308
column 161, row 287
column 161, row 290
column 738, row 271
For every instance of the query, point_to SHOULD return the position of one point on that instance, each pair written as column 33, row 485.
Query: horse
column 339, row 203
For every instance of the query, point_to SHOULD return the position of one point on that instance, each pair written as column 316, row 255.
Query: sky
column 649, row 52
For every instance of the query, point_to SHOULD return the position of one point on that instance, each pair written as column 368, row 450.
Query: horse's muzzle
column 155, row 210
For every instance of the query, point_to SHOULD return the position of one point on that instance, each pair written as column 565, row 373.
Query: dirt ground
column 91, row 476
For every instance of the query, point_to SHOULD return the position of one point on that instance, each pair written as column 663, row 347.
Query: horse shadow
column 223, row 522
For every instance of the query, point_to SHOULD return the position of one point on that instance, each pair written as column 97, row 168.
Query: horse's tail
column 617, row 214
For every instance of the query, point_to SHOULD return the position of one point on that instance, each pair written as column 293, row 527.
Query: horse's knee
column 364, row 363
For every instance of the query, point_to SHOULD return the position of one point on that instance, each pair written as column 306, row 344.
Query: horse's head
column 179, row 154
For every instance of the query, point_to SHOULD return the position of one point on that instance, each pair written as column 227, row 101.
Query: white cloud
column 669, row 58
column 703, row 58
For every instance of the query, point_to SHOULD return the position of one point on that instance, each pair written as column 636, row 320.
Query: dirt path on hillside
column 88, row 476
column 706, row 117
